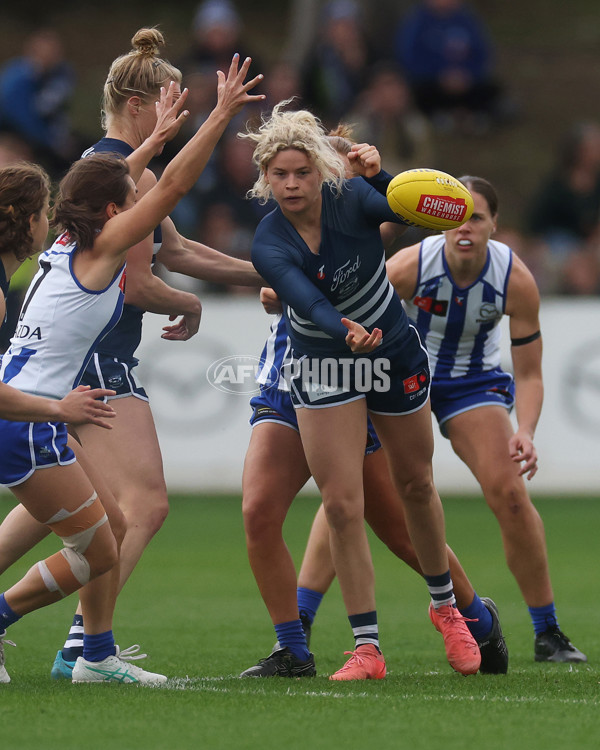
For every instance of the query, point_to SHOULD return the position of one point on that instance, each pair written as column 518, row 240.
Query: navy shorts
column 275, row 405
column 452, row 396
column 394, row 380
column 117, row 374
column 28, row 446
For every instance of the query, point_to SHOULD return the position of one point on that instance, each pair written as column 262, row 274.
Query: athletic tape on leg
column 68, row 570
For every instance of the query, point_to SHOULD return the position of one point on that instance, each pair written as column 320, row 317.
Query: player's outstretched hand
column 359, row 339
column 82, row 406
column 522, row 451
column 232, row 92
column 170, row 115
column 184, row 329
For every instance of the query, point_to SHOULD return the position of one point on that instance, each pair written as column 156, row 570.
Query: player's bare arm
column 523, row 302
column 403, row 269
column 182, row 255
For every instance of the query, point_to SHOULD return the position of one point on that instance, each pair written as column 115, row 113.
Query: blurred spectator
column 217, row 35
column 386, row 116
column 565, row 210
column 334, row 71
column 447, row 56
column 35, row 91
column 564, row 216
column 282, row 81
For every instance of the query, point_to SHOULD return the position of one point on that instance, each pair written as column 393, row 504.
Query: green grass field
column 193, row 606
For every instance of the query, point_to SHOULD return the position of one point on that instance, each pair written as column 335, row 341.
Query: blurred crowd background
column 506, row 91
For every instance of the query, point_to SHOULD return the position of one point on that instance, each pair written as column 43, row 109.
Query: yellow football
column 430, row 199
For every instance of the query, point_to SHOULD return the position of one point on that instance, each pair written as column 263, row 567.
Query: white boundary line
column 207, row 685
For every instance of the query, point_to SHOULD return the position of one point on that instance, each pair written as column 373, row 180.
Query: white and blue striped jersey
column 60, row 325
column 275, row 352
column 123, row 341
column 460, row 325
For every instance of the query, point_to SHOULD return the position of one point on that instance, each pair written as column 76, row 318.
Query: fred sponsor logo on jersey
column 442, row 207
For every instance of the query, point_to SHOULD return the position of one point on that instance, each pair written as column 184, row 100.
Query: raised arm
column 170, row 116
column 129, row 227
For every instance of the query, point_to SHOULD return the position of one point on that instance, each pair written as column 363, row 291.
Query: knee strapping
column 68, row 570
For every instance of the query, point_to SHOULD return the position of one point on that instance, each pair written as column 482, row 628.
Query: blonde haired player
column 321, row 251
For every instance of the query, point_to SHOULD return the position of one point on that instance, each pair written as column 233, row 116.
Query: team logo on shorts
column 415, row 382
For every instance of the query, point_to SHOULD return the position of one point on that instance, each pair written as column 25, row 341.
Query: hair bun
column 147, row 42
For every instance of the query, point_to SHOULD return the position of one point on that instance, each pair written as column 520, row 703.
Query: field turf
column 194, row 607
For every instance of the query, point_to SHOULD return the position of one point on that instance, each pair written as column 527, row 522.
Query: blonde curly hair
column 293, row 129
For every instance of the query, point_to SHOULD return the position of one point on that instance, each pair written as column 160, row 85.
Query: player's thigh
column 54, row 490
column 479, row 437
column 334, row 444
column 408, row 443
column 275, row 467
column 129, row 453
column 96, row 476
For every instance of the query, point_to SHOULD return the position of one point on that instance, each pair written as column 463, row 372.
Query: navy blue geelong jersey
column 346, row 279
column 125, row 337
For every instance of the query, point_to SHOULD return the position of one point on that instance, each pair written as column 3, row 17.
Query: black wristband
column 526, row 339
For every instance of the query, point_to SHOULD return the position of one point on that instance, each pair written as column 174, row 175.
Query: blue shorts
column 275, row 405
column 117, row 374
column 394, row 381
column 28, row 446
column 452, row 396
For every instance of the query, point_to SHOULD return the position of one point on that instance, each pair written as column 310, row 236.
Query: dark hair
column 24, row 189
column 484, row 188
column 85, row 192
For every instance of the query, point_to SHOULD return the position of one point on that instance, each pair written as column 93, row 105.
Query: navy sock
column 7, row 614
column 365, row 628
column 308, row 602
column 543, row 618
column 291, row 635
column 440, row 589
column 97, row 647
column 483, row 619
column 74, row 644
